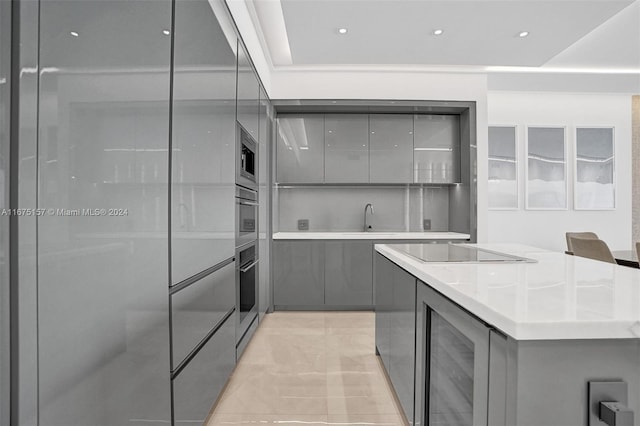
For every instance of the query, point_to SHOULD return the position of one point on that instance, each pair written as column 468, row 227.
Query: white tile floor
column 309, row 368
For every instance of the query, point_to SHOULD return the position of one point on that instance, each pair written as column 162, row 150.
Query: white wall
column 547, row 229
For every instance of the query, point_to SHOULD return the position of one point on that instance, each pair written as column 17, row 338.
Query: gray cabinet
column 203, row 141
column 395, row 304
column 402, row 339
column 346, row 138
column 374, row 148
column 383, row 300
column 198, row 308
column 348, row 272
column 300, row 149
column 198, row 385
column 435, row 353
column 436, row 148
column 298, row 273
column 390, row 148
column 248, row 93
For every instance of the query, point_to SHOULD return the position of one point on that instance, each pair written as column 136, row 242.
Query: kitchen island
column 505, row 342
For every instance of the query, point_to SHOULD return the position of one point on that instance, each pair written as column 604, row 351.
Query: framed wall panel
column 594, row 176
column 546, row 168
column 503, row 168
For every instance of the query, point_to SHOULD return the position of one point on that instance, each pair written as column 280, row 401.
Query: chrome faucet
column 368, row 206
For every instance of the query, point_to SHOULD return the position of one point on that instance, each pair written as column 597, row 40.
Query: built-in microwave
column 247, row 159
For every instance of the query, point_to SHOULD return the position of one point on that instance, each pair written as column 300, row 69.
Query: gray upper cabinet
column 346, row 138
column 300, row 149
column 436, row 149
column 248, row 94
column 348, row 273
column 391, row 148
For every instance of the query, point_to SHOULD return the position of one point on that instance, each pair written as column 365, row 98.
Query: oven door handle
column 249, row 266
column 248, row 203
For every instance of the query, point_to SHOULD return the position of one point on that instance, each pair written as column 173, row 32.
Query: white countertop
column 370, row 236
column 559, row 297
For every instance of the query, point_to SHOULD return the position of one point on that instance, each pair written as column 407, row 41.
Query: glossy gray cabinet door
column 383, row 285
column 203, row 141
column 198, row 385
column 197, row 309
column 5, row 56
column 264, row 188
column 248, row 93
column 402, row 339
column 390, row 148
column 348, row 273
column 346, row 138
column 298, row 273
column 300, row 149
column 103, row 312
column 436, row 146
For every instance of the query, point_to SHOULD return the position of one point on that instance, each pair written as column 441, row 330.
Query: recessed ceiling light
column 438, row 32
column 166, row 32
column 73, row 33
column 342, row 30
column 523, row 34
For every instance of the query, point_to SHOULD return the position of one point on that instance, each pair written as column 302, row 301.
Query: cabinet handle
column 249, row 266
column 248, row 203
column 615, row 414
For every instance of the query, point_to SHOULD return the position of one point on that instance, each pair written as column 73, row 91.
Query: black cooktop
column 461, row 253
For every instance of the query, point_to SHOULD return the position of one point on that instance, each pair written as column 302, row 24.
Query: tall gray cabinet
column 203, row 284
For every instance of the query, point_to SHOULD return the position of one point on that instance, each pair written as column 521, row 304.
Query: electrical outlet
column 426, row 224
column 303, row 224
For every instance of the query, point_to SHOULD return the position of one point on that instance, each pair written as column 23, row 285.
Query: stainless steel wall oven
column 246, row 216
column 247, row 288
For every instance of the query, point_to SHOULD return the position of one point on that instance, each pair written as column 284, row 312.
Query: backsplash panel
column 341, row 209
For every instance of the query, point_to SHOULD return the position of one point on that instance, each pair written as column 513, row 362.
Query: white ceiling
column 600, row 35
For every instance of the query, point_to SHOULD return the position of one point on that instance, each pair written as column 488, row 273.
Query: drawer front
column 198, row 385
column 197, row 309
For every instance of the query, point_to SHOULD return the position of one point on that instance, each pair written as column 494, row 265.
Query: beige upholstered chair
column 592, row 248
column 569, row 235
